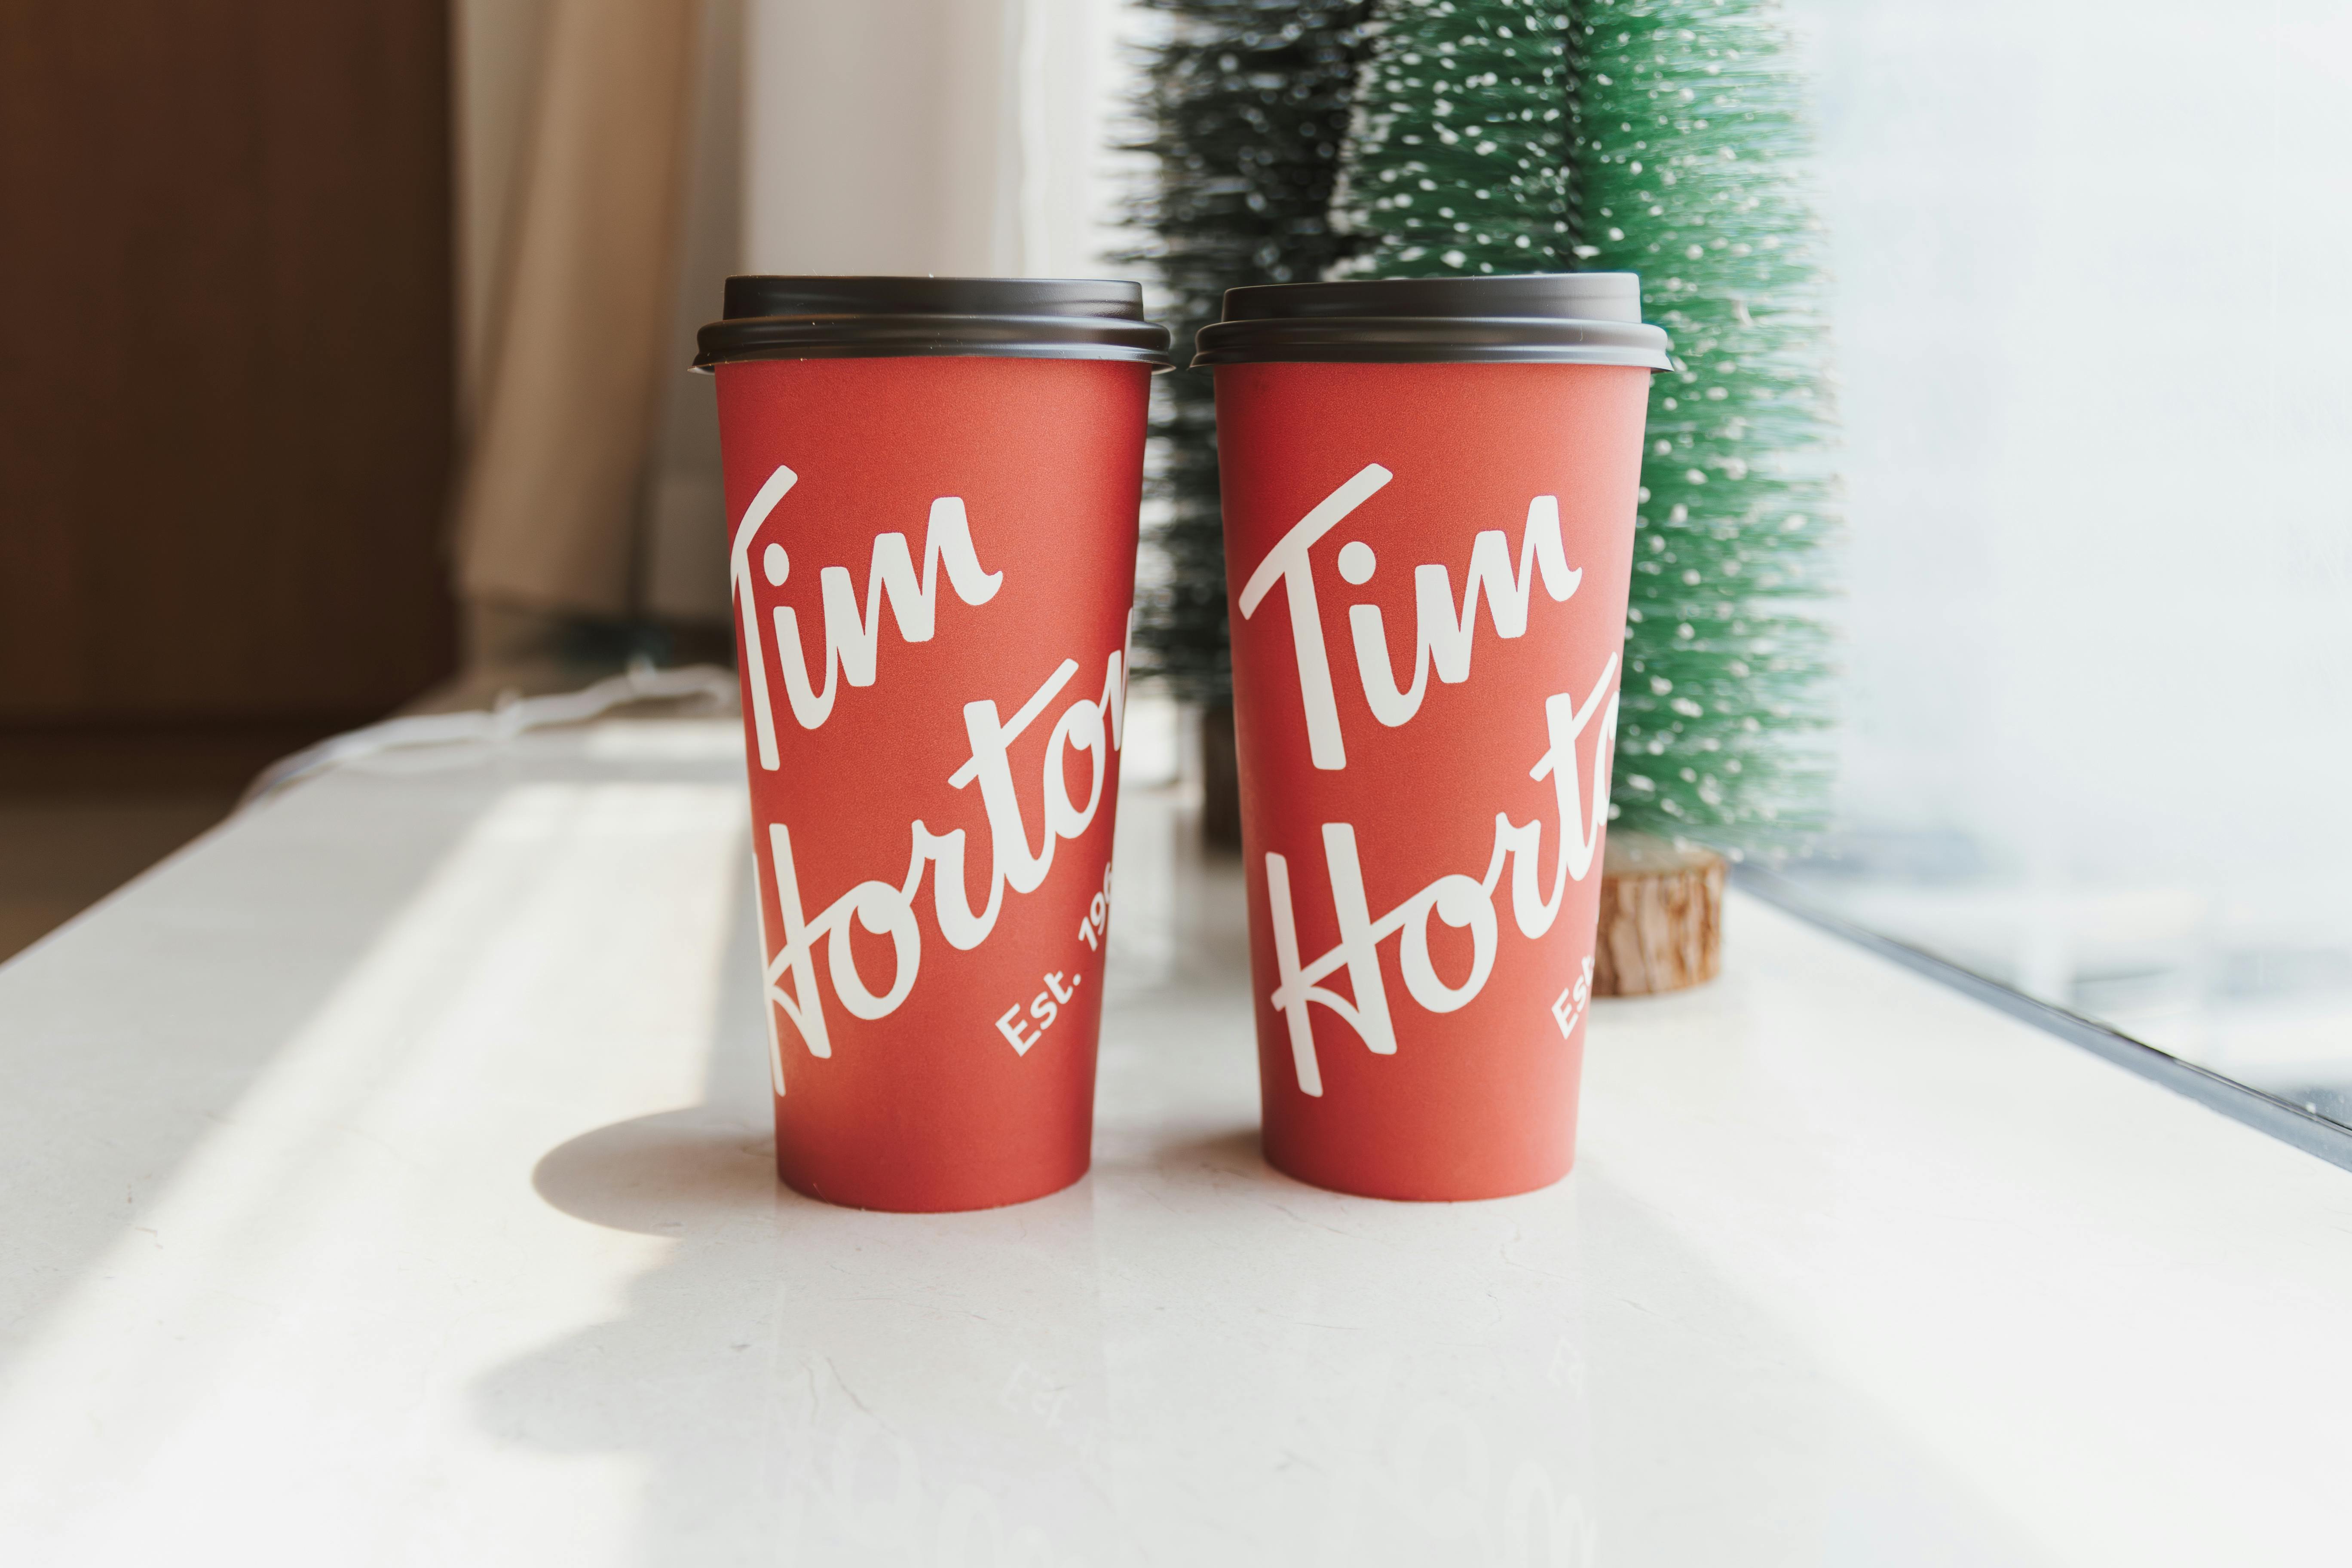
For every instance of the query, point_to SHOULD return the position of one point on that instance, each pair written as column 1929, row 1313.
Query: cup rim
column 1566, row 318
column 783, row 316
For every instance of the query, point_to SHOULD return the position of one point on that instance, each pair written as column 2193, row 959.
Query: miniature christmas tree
column 1247, row 109
column 1686, row 142
column 1662, row 137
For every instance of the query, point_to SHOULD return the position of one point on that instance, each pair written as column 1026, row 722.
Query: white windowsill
column 372, row 1179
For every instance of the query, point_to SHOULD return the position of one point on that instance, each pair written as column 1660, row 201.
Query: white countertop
column 387, row 1180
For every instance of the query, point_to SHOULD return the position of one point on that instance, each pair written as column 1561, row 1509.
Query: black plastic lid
column 1556, row 318
column 880, row 318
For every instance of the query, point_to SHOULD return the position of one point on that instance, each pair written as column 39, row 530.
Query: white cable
column 641, row 683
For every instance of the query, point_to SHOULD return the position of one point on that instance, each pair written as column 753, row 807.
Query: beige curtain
column 579, row 328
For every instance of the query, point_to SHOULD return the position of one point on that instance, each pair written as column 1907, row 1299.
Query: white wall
column 958, row 137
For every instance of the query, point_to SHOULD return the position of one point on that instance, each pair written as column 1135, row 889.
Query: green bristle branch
column 1459, row 162
column 1687, row 146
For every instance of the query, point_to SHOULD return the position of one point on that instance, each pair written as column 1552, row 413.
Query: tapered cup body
column 932, row 561
column 1428, row 564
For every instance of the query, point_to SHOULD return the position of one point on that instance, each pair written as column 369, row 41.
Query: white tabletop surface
column 385, row 1180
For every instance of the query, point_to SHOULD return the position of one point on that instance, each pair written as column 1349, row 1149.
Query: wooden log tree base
column 1221, row 780
column 1661, row 916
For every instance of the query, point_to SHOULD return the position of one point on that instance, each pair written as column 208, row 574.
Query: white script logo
column 1441, row 636
column 1443, row 640
column 850, row 638
column 1091, row 725
column 1087, row 725
column 1457, row 900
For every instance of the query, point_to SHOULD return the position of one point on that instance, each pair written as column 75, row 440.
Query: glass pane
column 2094, row 334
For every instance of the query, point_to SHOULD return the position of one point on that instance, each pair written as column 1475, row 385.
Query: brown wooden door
column 226, row 376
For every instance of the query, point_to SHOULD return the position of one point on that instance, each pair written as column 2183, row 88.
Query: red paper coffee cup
column 1429, row 496
column 932, row 485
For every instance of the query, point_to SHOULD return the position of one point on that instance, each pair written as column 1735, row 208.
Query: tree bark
column 1661, row 917
column 1221, row 780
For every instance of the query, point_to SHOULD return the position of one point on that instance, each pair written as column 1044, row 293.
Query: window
column 2095, row 336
